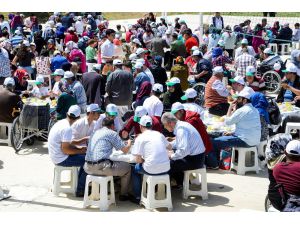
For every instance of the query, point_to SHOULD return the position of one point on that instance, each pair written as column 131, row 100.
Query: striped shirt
column 4, row 65
column 188, row 141
column 16, row 40
column 102, row 143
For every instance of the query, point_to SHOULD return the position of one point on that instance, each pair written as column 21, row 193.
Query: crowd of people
column 118, row 79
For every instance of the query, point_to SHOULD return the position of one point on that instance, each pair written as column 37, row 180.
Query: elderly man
column 239, row 51
column 238, row 84
column 62, row 152
column 153, row 104
column 97, row 160
column 190, row 98
column 216, row 93
column 189, row 148
column 140, row 76
column 147, row 70
column 203, row 67
column 243, row 61
column 177, row 47
column 111, row 112
column 150, row 150
column 246, row 119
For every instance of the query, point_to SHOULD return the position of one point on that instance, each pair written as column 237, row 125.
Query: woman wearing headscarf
column 218, row 59
column 74, row 52
column 173, row 94
column 275, row 28
column 181, row 71
column 159, row 73
column 21, row 76
column 143, row 93
column 260, row 102
column 257, row 39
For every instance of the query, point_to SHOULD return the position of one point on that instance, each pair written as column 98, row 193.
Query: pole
column 201, row 27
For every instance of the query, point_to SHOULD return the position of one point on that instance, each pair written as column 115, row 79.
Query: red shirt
column 288, row 174
column 71, row 37
column 189, row 43
column 128, row 36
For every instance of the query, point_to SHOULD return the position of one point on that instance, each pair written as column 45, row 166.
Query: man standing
column 97, row 160
column 240, row 50
column 107, row 48
column 62, row 152
column 57, row 61
column 243, row 61
column 140, row 76
column 157, row 46
column 218, row 22
column 190, row 41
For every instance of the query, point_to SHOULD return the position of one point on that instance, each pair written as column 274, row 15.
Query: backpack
column 274, row 112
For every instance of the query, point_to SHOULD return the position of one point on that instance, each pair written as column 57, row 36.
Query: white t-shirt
column 151, row 145
column 40, row 92
column 107, row 49
column 79, row 27
column 98, row 123
column 81, row 128
column 194, row 108
column 154, row 106
column 56, row 89
column 60, row 132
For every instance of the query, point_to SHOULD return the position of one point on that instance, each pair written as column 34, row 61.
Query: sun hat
column 139, row 112
column 145, row 121
column 74, row 110
column 189, row 93
column 173, row 81
column 93, row 108
column 111, row 109
column 176, row 107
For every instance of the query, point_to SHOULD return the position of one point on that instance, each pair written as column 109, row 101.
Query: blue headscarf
column 260, row 102
column 216, row 52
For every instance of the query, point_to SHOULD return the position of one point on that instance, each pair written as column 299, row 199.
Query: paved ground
column 28, row 175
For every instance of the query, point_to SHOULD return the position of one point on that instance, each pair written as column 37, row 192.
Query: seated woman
column 173, row 94
column 21, row 76
column 256, row 83
column 143, row 93
column 180, row 70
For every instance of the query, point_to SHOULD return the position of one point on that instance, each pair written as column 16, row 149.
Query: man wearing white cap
column 9, row 101
column 203, row 67
column 242, row 61
column 57, row 87
column 246, row 119
column 62, row 152
column 244, row 44
column 150, row 151
column 39, row 91
column 239, row 84
column 147, row 70
column 83, row 128
column 139, row 76
column 254, row 82
column 140, row 53
column 153, row 104
column 216, row 93
column 190, row 98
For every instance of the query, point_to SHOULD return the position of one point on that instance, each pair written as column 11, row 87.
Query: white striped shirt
column 188, row 141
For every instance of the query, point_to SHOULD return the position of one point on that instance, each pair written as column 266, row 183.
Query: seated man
column 83, row 128
column 64, row 102
column 248, row 128
column 216, row 93
column 9, row 101
column 97, row 160
column 62, row 152
column 253, row 81
column 58, row 85
column 150, row 150
column 190, row 98
column 203, row 67
column 238, row 84
column 153, row 104
column 40, row 91
column 133, row 122
column 189, row 148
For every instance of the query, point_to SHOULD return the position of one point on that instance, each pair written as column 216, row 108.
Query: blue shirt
column 288, row 94
column 79, row 93
column 247, row 122
column 16, row 40
column 102, row 143
column 140, row 78
column 57, row 62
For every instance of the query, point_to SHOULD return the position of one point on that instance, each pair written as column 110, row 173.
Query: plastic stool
column 240, row 166
column 290, row 126
column 284, row 49
column 148, row 192
column 99, row 198
column 58, row 186
column 274, row 47
column 261, row 152
column 203, row 182
column 3, row 132
column 296, row 45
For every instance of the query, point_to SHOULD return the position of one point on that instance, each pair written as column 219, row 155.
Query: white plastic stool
column 261, row 152
column 284, row 49
column 203, row 182
column 274, row 47
column 295, row 45
column 69, row 187
column 99, row 198
column 240, row 166
column 148, row 192
column 290, row 126
column 3, row 132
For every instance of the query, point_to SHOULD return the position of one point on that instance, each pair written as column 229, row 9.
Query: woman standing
column 257, row 39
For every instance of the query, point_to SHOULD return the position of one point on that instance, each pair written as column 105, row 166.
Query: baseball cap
column 51, row 41
column 197, row 53
column 268, row 51
column 32, row 44
column 293, row 148
column 139, row 112
column 218, row 69
column 58, row 72
column 9, row 80
column 244, row 41
column 137, row 41
column 133, row 56
column 158, row 88
column 176, row 107
column 39, row 80
column 168, row 32
column 26, row 43
column 290, row 68
column 117, row 62
column 68, row 74
column 138, row 65
column 245, row 94
column 238, row 79
column 74, row 110
column 189, row 93
column 93, row 108
column 111, row 109
column 139, row 51
column 194, row 48
column 17, row 32
column 145, row 121
column 221, row 43
column 141, row 61
column 250, row 71
column 97, row 66
column 56, row 52
column 173, row 81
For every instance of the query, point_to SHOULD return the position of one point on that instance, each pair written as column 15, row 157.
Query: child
column 40, row 91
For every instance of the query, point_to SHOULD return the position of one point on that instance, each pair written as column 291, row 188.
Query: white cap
column 189, row 93
column 145, row 121
column 97, row 66
column 117, row 62
column 141, row 61
column 290, row 68
column 197, row 53
column 89, row 16
column 221, row 43
column 59, row 25
column 268, row 51
column 59, row 72
column 173, row 81
column 168, row 32
column 39, row 79
column 68, row 74
column 137, row 41
column 26, row 43
column 139, row 112
column 245, row 94
column 133, row 56
column 17, row 32
column 32, row 44
column 250, row 71
column 139, row 51
column 79, row 18
column 111, row 109
column 244, row 41
column 93, row 108
column 218, row 69
column 194, row 48
column 138, row 65
column 249, row 89
column 176, row 107
column 71, row 29
column 75, row 110
column 238, row 79
column 277, row 66
column 158, row 88
column 293, row 148
column 9, row 80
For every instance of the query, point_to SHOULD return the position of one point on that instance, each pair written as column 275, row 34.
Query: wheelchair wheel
column 17, row 135
column 200, row 88
column 272, row 80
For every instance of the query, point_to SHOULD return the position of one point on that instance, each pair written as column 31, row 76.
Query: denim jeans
column 137, row 173
column 77, row 160
column 213, row 158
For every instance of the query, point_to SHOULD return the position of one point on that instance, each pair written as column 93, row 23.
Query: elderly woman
column 180, row 70
column 74, row 52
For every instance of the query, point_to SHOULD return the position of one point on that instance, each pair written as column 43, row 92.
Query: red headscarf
column 20, row 73
column 145, row 90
